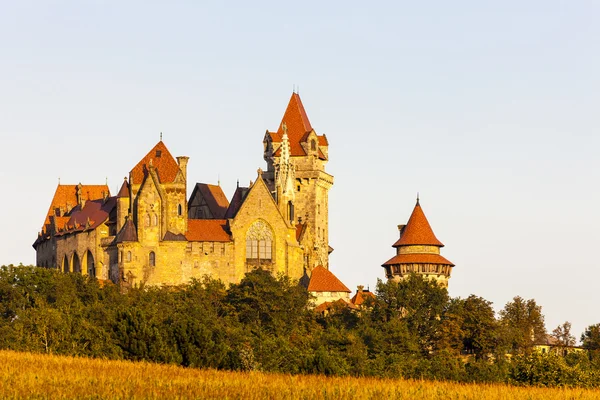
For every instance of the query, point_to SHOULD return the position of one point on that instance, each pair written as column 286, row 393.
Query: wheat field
column 37, row 376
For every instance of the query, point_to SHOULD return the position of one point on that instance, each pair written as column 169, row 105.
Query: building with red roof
column 151, row 234
column 418, row 251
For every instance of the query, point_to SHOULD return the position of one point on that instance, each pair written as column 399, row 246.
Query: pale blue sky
column 490, row 111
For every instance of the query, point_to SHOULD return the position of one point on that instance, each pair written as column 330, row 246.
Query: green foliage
column 411, row 329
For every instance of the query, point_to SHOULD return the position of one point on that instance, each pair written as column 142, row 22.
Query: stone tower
column 418, row 251
column 158, row 192
column 296, row 157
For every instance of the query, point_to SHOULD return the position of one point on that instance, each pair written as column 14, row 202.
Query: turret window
column 152, row 259
column 128, row 256
column 179, row 209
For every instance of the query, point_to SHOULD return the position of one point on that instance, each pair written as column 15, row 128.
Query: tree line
column 410, row 329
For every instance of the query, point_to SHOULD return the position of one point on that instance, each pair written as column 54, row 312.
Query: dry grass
column 26, row 375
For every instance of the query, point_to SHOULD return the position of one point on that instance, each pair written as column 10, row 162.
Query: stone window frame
column 152, row 259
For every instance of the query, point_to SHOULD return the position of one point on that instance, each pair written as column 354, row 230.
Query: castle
column 151, row 234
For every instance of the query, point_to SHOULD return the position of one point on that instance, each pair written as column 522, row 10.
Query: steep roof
column 236, row 201
column 418, row 231
column 65, row 198
column 128, row 233
column 215, row 198
column 323, row 280
column 161, row 159
column 124, row 191
column 298, row 126
column 207, row 230
column 93, row 214
column 418, row 258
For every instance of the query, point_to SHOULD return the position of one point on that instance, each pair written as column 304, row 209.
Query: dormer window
column 313, row 145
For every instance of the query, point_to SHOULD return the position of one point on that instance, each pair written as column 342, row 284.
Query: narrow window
column 179, row 209
column 128, row 256
column 152, row 259
column 154, row 219
column 147, row 220
column 313, row 145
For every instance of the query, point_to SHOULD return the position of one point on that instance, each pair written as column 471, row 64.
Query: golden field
column 26, row 375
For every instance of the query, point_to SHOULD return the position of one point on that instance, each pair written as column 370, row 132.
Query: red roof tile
column 65, row 198
column 298, row 126
column 166, row 166
column 334, row 305
column 418, row 231
column 92, row 215
column 361, row 296
column 323, row 280
column 207, row 230
column 215, row 199
column 418, row 258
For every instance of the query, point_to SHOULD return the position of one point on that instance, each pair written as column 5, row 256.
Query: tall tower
column 296, row 157
column 418, row 251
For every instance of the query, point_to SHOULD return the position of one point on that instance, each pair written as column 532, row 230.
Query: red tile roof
column 65, row 198
column 166, row 166
column 418, row 258
column 418, row 231
column 207, row 230
column 298, row 126
column 323, row 280
column 92, row 215
column 361, row 296
column 215, row 199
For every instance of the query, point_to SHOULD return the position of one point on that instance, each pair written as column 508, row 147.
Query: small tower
column 418, row 251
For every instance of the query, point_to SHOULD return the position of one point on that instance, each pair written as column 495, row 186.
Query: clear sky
column 490, row 110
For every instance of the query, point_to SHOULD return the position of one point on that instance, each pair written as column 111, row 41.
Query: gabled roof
column 207, row 230
column 161, row 159
column 128, row 233
column 298, row 126
column 417, row 258
column 236, row 201
column 361, row 296
column 333, row 306
column 418, row 231
column 65, row 198
column 215, row 199
column 323, row 280
column 93, row 214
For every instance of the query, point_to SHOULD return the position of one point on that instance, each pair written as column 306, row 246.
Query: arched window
column 313, row 145
column 152, row 259
column 259, row 243
column 291, row 211
column 179, row 209
column 76, row 263
column 147, row 220
column 128, row 256
column 91, row 266
column 154, row 219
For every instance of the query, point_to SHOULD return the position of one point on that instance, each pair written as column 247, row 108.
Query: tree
column 590, row 338
column 563, row 336
column 523, row 324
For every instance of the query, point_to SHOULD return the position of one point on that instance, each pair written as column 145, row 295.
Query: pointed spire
column 161, row 136
column 418, row 231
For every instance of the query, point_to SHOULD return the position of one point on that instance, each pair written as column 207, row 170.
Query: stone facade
column 148, row 234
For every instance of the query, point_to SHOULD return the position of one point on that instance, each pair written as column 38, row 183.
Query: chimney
column 182, row 161
column 360, row 288
column 401, row 229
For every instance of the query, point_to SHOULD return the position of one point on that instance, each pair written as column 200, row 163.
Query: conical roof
column 124, row 191
column 418, row 231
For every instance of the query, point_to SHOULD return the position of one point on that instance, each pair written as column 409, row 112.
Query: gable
column 207, row 201
column 162, row 160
